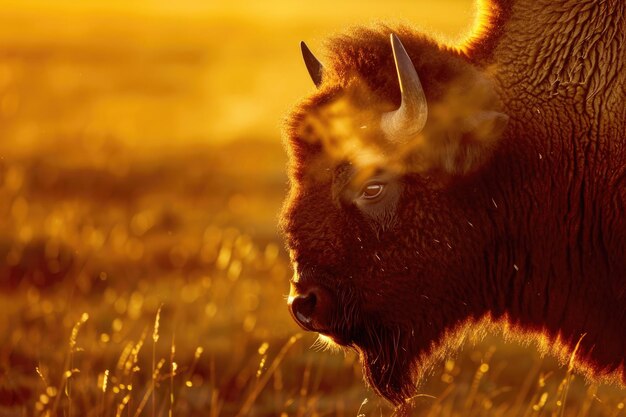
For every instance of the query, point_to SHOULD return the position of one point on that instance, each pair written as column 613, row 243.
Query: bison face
column 379, row 220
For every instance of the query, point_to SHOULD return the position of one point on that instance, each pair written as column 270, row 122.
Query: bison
column 436, row 189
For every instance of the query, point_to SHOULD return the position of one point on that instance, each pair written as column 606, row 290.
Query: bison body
column 507, row 205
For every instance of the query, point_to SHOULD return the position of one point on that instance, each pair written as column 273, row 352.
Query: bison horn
column 410, row 118
column 314, row 66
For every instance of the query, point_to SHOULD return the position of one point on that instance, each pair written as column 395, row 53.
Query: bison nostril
column 303, row 307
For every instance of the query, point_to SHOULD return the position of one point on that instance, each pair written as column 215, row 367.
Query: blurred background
column 141, row 175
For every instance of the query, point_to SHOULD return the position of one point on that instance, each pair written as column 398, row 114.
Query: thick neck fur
column 563, row 42
column 560, row 267
column 558, row 260
column 547, row 50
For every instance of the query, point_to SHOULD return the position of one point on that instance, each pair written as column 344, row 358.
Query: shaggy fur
column 522, row 226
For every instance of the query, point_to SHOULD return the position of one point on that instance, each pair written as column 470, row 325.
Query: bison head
column 382, row 217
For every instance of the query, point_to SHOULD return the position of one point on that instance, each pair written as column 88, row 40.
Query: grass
column 140, row 271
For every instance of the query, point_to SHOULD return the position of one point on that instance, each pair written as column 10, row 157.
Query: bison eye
column 372, row 190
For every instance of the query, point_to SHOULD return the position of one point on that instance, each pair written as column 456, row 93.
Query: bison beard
column 387, row 362
column 387, row 352
column 436, row 189
column 384, row 351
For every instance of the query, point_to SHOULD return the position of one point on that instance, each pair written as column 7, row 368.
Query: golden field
column 141, row 175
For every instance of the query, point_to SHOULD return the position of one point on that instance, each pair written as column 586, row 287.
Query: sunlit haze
column 165, row 73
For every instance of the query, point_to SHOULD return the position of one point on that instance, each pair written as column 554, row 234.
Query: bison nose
column 303, row 307
column 311, row 306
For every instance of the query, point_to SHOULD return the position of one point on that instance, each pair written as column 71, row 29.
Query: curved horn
column 410, row 118
column 314, row 67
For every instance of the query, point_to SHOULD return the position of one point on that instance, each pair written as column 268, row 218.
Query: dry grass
column 141, row 274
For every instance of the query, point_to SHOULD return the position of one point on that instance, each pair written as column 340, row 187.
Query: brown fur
column 525, row 227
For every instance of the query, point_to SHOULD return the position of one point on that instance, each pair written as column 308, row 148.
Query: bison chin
column 389, row 362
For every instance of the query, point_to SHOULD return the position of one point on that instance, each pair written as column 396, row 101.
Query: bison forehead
column 337, row 127
column 343, row 119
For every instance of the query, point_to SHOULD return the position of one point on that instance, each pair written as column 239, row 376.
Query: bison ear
column 468, row 145
column 486, row 125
